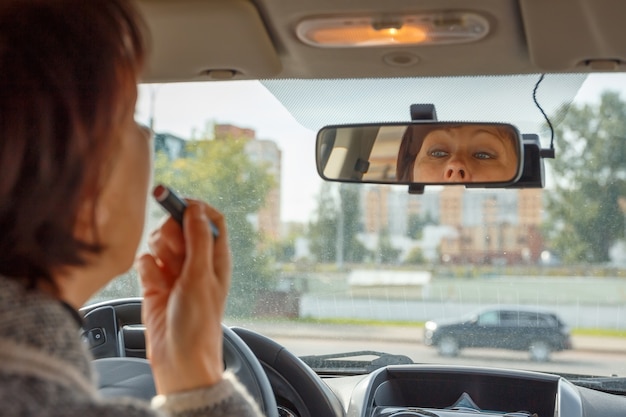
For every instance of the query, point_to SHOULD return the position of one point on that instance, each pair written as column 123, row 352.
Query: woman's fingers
column 198, row 243
column 186, row 281
column 206, row 254
column 156, row 290
column 167, row 244
column 222, row 264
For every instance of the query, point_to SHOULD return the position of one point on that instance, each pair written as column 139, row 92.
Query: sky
column 183, row 109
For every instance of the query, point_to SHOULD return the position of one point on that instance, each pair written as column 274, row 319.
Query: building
column 224, row 131
column 481, row 225
column 265, row 152
column 170, row 145
column 492, row 227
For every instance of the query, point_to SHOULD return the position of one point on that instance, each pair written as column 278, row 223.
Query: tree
column 337, row 224
column 323, row 230
column 388, row 253
column 350, row 206
column 590, row 176
column 416, row 224
column 415, row 257
column 219, row 172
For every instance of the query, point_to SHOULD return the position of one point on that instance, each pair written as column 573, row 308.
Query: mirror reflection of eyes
column 436, row 153
column 484, row 155
column 478, row 155
column 488, row 145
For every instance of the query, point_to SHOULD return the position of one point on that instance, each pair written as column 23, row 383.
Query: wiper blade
column 343, row 364
column 610, row 384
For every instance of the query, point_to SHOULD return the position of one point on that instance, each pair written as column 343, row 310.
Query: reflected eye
column 437, row 153
column 484, row 155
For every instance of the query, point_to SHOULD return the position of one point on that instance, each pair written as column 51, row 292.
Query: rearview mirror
column 421, row 153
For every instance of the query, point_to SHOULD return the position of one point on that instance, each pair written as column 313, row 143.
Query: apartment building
column 482, row 226
column 265, row 152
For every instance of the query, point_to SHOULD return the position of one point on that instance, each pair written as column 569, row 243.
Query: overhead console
column 446, row 391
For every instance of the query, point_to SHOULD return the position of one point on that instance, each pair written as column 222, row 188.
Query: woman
column 76, row 170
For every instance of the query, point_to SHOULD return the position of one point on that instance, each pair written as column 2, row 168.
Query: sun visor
column 565, row 35
column 203, row 40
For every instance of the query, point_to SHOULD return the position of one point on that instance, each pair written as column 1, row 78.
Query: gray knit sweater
column 46, row 371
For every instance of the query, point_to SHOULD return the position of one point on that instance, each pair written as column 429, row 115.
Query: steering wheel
column 298, row 389
column 116, row 340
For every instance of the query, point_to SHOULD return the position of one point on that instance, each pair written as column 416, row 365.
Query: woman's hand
column 186, row 280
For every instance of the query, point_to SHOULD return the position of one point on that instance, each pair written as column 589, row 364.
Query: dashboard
column 285, row 386
column 427, row 390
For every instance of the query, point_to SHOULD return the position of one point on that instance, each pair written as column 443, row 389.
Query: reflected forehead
column 489, row 130
column 465, row 131
column 441, row 134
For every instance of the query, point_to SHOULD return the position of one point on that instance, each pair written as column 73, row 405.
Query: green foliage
column 585, row 217
column 416, row 224
column 350, row 204
column 220, row 172
column 283, row 250
column 415, row 257
column 323, row 230
column 386, row 251
column 337, row 224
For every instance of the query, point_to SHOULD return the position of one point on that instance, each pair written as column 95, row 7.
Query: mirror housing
column 421, row 153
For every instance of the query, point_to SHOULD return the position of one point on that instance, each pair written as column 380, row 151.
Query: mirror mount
column 547, row 153
column 424, row 112
column 533, row 170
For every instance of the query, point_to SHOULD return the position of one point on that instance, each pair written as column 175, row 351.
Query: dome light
column 416, row 29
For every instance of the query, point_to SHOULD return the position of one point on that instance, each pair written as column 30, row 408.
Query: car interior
column 361, row 77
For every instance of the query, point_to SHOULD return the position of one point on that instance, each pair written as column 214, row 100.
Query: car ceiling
column 196, row 40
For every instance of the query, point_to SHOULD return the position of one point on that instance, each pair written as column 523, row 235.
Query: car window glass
column 510, row 318
column 490, row 318
column 405, row 259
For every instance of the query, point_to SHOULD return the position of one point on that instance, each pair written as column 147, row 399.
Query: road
column 590, row 356
column 599, row 315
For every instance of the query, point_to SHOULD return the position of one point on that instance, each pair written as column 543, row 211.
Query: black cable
column 545, row 153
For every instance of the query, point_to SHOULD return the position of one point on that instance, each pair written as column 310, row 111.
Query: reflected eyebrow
column 504, row 139
column 439, row 134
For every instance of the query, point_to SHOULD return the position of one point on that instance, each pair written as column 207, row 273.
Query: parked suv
column 539, row 332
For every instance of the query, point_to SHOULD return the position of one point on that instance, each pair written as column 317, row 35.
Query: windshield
column 532, row 278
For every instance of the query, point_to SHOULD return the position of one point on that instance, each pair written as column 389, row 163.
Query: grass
column 593, row 332
column 599, row 332
column 360, row 322
column 364, row 322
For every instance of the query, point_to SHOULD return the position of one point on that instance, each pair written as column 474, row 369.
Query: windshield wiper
column 348, row 364
column 609, row 384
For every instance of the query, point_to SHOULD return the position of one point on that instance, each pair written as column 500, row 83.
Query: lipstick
column 175, row 205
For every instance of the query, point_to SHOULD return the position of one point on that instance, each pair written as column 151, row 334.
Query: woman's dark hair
column 410, row 146
column 67, row 69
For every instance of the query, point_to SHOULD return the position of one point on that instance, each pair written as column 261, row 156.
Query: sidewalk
column 394, row 333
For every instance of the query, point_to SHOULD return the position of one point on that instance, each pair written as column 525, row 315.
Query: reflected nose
column 456, row 171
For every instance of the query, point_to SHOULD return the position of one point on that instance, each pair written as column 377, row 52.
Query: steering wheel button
column 95, row 337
